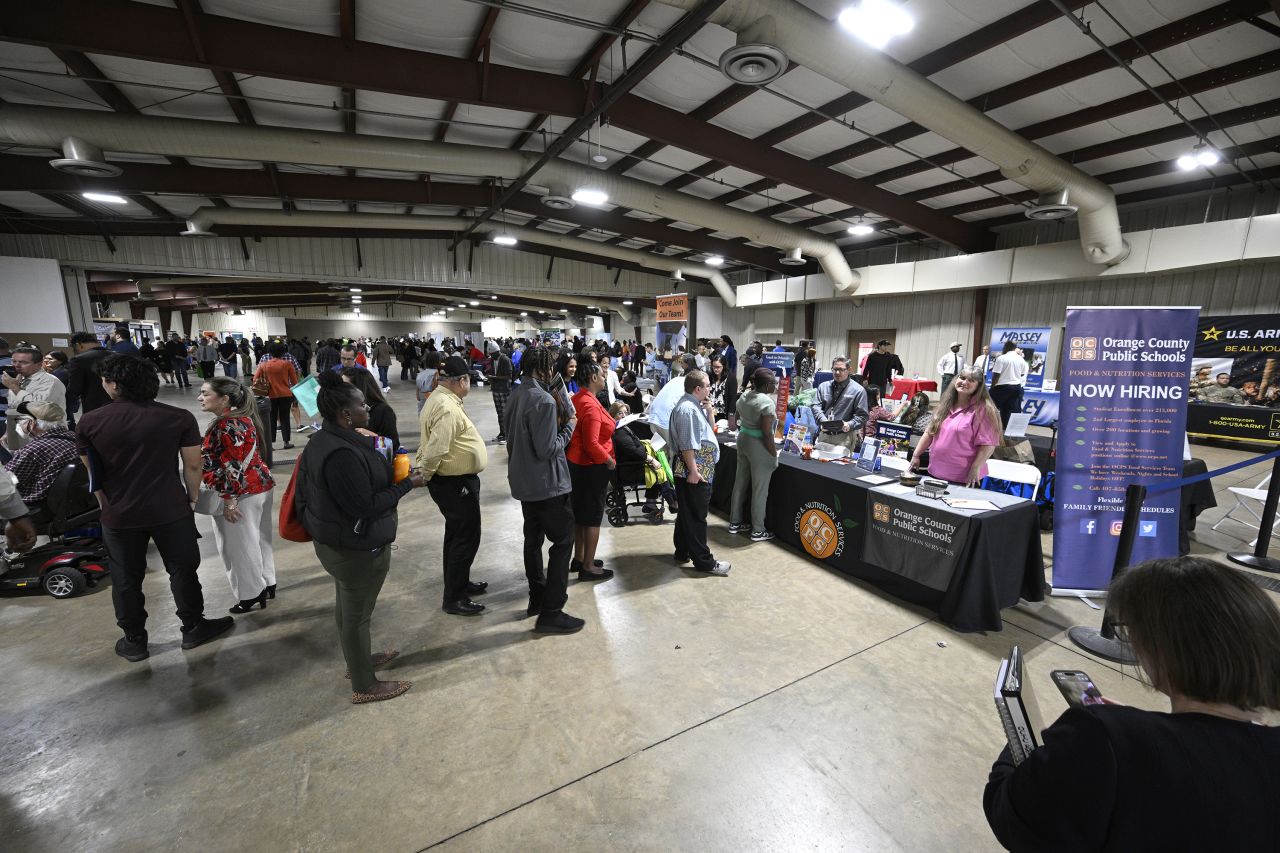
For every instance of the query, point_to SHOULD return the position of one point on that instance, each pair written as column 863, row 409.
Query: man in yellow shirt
column 451, row 456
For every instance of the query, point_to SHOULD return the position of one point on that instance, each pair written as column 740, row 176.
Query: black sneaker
column 502, row 439
column 205, row 630
column 558, row 622
column 133, row 649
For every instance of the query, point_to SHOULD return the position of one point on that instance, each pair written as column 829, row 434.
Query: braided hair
column 335, row 395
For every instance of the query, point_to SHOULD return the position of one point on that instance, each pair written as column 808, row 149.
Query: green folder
column 305, row 393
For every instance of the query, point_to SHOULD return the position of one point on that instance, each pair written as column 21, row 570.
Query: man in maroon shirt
column 130, row 447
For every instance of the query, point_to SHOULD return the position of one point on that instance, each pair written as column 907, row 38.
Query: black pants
column 551, row 519
column 206, row 369
column 180, row 372
column 691, row 523
column 180, row 552
column 1008, row 399
column 280, row 407
column 459, row 502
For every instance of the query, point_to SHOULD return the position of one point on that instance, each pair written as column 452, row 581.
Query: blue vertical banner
column 1122, row 419
column 1034, row 345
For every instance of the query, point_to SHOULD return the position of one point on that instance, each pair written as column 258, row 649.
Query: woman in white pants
column 234, row 468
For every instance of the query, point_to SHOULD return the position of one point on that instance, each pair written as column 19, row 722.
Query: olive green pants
column 357, row 578
column 754, row 470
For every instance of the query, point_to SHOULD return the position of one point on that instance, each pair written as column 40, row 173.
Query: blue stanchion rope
column 1211, row 474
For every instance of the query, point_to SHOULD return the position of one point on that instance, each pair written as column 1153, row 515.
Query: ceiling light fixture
column 106, row 198
column 876, row 22
column 354, row 289
column 715, row 260
column 524, row 313
column 627, row 302
column 1207, row 156
column 494, row 297
column 475, row 302
column 861, row 228
column 505, row 239
column 590, row 195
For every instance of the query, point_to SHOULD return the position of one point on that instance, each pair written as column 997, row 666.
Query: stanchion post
column 1104, row 643
column 1259, row 559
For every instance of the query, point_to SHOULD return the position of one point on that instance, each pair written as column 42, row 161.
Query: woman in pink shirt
column 964, row 432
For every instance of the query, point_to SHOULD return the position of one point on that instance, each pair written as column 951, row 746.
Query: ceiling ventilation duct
column 792, row 258
column 81, row 158
column 755, row 59
column 559, row 197
column 820, row 45
column 142, row 134
column 1051, row 206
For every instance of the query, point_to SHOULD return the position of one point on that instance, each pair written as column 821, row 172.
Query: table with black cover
column 1000, row 560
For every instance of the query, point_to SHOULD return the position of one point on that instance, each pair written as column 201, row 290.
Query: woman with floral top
column 234, row 468
column 724, row 389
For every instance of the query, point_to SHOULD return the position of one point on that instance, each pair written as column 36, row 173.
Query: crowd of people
column 564, row 413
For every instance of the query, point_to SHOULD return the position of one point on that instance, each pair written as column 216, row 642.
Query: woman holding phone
column 1202, row 777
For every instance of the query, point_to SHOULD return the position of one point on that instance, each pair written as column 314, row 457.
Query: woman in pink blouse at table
column 963, row 434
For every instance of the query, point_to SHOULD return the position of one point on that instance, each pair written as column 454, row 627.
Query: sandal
column 378, row 660
column 382, row 690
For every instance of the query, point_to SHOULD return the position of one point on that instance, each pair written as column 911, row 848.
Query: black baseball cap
column 455, row 366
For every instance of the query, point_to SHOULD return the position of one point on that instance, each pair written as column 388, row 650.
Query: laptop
column 1012, row 708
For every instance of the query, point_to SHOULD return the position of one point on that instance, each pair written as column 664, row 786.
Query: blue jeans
column 229, row 369
column 382, row 374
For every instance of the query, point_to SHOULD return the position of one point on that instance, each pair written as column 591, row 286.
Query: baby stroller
column 75, row 556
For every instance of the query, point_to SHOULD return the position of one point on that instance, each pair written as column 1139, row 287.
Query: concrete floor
column 782, row 708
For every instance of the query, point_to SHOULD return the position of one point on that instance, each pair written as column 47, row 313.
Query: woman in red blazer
column 591, row 464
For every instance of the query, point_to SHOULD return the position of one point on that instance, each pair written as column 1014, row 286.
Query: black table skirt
column 1001, row 563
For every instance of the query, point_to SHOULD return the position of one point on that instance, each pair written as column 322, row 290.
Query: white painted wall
column 31, row 291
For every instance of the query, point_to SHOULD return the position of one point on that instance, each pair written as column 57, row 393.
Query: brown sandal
column 382, row 690
column 378, row 660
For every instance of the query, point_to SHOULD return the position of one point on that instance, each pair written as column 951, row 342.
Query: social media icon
column 1147, row 528
column 1089, row 526
column 1116, row 527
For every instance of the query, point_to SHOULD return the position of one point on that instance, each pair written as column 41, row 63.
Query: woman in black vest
column 347, row 502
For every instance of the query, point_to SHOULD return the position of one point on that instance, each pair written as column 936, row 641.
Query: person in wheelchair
column 52, row 447
column 633, row 457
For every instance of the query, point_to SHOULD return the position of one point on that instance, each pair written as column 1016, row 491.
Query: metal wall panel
column 379, row 261
column 926, row 326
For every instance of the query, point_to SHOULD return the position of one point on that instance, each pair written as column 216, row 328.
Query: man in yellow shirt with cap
column 451, row 456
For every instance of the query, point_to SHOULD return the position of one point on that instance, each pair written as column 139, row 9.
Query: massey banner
column 1235, row 379
column 918, row 540
column 1034, row 344
column 1123, row 414
column 673, row 324
column 1042, row 406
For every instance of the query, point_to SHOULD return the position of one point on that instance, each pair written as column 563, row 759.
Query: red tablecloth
column 911, row 386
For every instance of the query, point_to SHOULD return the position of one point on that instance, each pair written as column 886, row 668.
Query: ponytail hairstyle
column 243, row 403
column 368, row 386
column 335, row 395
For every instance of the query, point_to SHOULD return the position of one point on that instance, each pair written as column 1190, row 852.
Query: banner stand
column 1259, row 559
column 1104, row 643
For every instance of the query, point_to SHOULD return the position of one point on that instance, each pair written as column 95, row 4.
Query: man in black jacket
column 84, row 379
column 880, row 367
column 501, row 379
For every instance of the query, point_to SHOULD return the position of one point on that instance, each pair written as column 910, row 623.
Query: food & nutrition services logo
column 821, row 529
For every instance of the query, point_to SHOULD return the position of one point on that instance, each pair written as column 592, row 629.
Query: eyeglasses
column 839, row 370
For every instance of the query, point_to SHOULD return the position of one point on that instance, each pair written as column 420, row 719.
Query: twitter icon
column 1147, row 528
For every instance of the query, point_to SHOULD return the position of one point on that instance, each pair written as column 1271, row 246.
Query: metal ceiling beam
column 20, row 173
column 588, row 62
column 598, row 105
column 155, row 228
column 479, row 47
column 157, row 34
column 1134, row 142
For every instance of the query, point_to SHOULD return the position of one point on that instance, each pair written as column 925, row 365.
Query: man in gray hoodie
column 538, row 429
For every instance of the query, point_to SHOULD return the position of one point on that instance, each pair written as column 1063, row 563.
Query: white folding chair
column 1015, row 472
column 1245, row 498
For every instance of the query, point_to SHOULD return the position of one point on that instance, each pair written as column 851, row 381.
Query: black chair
column 69, row 503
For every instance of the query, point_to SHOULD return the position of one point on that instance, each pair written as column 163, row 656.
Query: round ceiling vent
column 1051, row 206
column 81, row 158
column 86, row 168
column 792, row 259
column 559, row 202
column 753, row 64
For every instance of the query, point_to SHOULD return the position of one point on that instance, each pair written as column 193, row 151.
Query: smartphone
column 1077, row 688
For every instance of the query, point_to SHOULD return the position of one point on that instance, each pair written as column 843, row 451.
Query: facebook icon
column 1089, row 526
